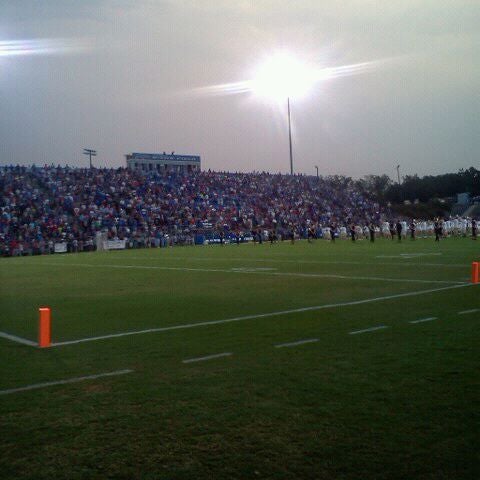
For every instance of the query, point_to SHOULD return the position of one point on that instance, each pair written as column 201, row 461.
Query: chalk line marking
column 21, row 340
column 259, row 315
column 465, row 312
column 372, row 329
column 64, row 382
column 420, row 254
column 308, row 262
column 409, row 255
column 252, row 269
column 208, row 357
column 294, row 344
column 254, row 272
column 421, row 320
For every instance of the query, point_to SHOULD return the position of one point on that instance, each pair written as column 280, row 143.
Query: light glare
column 11, row 48
column 283, row 76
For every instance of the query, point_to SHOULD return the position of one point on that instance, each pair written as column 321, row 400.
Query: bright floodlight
column 283, row 76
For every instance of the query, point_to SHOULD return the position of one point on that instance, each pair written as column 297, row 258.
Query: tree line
column 424, row 188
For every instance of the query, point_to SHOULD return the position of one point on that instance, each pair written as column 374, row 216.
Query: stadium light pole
column 290, row 136
column 398, row 173
column 316, row 167
column 91, row 153
column 283, row 76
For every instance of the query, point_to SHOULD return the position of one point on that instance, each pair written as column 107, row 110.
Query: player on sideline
column 352, row 231
column 392, row 230
column 398, row 226
column 474, row 229
column 438, row 230
column 365, row 231
column 292, row 235
column 412, row 228
column 371, row 230
column 333, row 230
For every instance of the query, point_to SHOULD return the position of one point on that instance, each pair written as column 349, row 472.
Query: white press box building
column 160, row 162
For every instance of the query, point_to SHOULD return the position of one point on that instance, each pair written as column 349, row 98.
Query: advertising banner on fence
column 60, row 248
column 114, row 245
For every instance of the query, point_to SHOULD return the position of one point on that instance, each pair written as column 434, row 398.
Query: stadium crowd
column 41, row 206
column 44, row 206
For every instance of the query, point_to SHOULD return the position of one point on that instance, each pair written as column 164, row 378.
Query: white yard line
column 419, row 254
column 421, row 320
column 409, row 255
column 64, row 382
column 377, row 279
column 254, row 272
column 260, row 315
column 21, row 340
column 372, row 329
column 252, row 269
column 465, row 312
column 294, row 344
column 308, row 262
column 208, row 357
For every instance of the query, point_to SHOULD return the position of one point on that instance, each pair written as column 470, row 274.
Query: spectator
column 41, row 206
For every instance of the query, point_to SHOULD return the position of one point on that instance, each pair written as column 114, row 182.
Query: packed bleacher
column 41, row 207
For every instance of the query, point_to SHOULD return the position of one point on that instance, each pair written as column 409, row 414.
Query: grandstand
column 63, row 209
column 62, row 205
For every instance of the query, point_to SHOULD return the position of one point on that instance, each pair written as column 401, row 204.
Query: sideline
column 64, row 382
column 308, row 262
column 260, row 315
column 255, row 272
column 21, row 340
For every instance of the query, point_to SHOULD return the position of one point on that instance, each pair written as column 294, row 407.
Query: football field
column 316, row 361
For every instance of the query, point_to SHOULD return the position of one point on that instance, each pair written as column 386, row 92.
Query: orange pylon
column 475, row 272
column 44, row 327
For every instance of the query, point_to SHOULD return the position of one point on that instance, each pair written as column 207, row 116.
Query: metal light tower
column 290, row 136
column 316, row 167
column 398, row 173
column 91, row 153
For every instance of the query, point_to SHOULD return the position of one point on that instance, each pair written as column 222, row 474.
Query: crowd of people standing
column 43, row 206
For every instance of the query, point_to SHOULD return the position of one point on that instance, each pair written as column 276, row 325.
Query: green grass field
column 397, row 402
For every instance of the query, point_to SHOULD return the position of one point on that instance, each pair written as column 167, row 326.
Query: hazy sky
column 126, row 76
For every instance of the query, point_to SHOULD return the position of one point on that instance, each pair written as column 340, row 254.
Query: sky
column 139, row 76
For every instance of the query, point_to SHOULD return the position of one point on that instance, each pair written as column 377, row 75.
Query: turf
column 401, row 402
